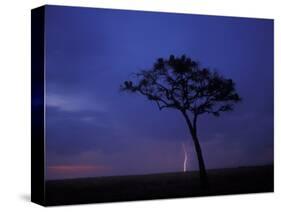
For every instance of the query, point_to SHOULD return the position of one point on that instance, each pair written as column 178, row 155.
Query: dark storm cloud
column 71, row 132
column 90, row 52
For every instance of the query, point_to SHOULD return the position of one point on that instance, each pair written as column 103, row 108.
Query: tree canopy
column 180, row 83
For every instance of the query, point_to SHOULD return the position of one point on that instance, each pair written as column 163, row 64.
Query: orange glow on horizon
column 76, row 168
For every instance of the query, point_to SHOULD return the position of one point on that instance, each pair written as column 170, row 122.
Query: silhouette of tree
column 180, row 83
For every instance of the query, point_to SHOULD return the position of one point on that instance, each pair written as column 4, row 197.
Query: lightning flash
column 185, row 158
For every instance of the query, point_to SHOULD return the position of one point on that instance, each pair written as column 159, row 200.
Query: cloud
column 72, row 103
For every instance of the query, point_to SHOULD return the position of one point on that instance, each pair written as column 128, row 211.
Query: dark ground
column 157, row 186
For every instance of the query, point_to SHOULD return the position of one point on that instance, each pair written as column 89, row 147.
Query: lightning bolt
column 185, row 158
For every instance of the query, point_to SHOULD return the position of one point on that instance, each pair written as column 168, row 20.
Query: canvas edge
column 38, row 105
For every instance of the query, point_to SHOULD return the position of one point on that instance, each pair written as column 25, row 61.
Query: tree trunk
column 202, row 169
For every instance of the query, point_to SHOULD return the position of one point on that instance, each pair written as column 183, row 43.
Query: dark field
column 156, row 186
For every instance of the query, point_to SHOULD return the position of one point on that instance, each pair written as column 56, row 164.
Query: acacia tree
column 180, row 83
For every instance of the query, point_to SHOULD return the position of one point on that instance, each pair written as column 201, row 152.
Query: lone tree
column 180, row 83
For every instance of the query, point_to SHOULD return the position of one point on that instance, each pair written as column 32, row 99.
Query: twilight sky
column 93, row 129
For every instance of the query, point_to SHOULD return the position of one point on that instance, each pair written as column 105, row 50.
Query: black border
column 37, row 105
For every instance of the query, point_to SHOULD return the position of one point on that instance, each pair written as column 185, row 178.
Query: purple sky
column 95, row 130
